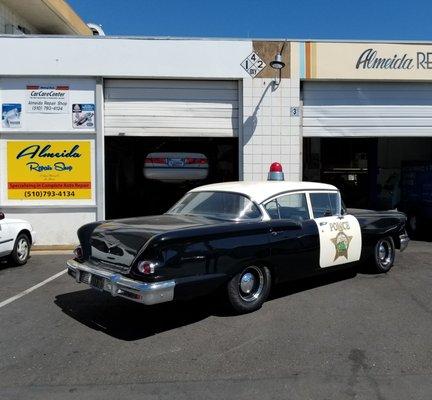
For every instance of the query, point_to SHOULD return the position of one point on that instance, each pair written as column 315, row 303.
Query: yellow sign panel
column 49, row 170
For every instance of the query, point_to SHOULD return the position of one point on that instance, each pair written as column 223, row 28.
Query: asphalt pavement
column 340, row 336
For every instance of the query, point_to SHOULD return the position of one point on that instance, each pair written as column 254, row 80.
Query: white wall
column 114, row 57
column 55, row 226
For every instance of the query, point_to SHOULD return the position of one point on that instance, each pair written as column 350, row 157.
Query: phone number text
column 48, row 193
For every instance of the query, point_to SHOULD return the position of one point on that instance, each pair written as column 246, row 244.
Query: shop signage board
column 83, row 116
column 49, row 170
column 381, row 61
column 47, row 99
column 49, row 105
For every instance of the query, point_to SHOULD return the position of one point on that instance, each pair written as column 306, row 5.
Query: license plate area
column 97, row 282
column 175, row 162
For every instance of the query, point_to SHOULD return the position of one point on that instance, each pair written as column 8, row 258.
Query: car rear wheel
column 248, row 290
column 384, row 254
column 21, row 250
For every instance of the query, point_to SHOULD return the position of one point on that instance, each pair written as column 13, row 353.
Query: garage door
column 171, row 108
column 367, row 109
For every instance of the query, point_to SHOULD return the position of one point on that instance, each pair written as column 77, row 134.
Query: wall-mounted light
column 277, row 63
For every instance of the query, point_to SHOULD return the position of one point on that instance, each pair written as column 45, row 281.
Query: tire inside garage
column 129, row 193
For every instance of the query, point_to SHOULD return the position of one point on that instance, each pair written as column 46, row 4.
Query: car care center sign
column 49, row 170
column 47, row 99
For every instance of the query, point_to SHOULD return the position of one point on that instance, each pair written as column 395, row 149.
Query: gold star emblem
column 341, row 242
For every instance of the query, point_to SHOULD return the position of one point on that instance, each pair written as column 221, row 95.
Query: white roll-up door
column 191, row 108
column 366, row 109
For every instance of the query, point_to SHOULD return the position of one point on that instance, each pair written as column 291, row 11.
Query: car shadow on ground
column 130, row 321
column 6, row 264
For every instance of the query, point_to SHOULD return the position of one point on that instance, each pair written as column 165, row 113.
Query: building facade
column 49, row 17
column 89, row 123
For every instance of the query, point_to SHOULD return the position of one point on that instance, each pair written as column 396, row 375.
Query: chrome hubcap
column 251, row 284
column 247, row 283
column 22, row 249
column 384, row 253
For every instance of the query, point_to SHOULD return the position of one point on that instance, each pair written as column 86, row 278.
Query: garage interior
column 129, row 193
column 373, row 140
column 172, row 121
column 375, row 173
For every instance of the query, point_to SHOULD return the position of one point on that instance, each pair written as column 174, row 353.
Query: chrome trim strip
column 118, row 285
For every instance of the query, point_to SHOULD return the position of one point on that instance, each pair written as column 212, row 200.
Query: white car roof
column 260, row 191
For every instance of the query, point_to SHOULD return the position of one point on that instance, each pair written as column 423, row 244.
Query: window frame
column 260, row 209
column 275, row 197
column 323, row 192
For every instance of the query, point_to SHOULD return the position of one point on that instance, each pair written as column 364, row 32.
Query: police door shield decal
column 340, row 240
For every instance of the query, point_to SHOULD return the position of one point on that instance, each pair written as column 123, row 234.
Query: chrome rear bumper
column 404, row 240
column 118, row 285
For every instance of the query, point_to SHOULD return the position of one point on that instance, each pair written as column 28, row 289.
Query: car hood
column 119, row 241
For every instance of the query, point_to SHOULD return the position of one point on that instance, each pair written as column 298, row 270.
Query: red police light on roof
column 276, row 172
column 275, row 167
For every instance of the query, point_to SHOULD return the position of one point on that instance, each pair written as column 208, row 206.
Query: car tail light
column 156, row 160
column 146, row 267
column 196, row 161
column 78, row 253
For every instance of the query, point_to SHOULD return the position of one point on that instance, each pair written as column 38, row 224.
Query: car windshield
column 220, row 205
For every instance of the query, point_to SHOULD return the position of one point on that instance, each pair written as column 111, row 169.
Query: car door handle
column 323, row 223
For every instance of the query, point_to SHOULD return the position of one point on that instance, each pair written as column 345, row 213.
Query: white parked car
column 16, row 238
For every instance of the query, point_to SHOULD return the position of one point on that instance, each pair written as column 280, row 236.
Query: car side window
column 272, row 209
column 291, row 206
column 325, row 204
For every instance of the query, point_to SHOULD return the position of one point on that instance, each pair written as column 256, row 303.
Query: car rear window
column 221, row 205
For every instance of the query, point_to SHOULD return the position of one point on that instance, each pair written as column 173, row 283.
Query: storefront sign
column 11, row 115
column 83, row 116
column 49, row 170
column 366, row 61
column 47, row 99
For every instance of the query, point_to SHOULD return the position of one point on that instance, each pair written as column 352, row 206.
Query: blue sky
column 301, row 19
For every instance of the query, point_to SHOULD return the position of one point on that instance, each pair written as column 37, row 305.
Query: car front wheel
column 248, row 290
column 384, row 254
column 21, row 250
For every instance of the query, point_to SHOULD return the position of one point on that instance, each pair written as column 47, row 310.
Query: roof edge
column 68, row 15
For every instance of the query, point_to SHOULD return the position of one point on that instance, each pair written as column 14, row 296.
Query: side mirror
column 2, row 216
